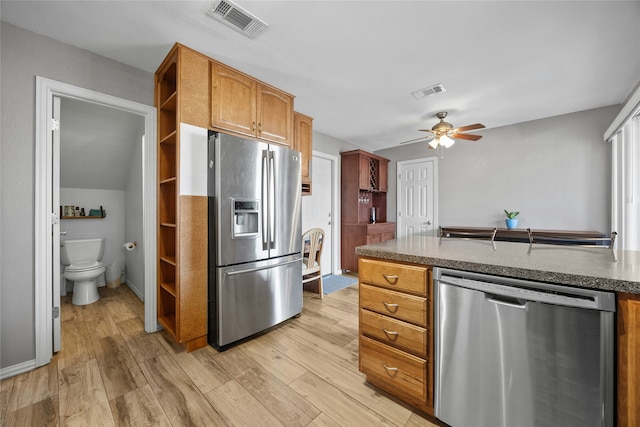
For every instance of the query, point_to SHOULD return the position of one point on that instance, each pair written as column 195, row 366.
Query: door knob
column 63, row 233
column 428, row 223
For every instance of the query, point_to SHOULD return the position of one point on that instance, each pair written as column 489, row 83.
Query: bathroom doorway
column 101, row 168
column 75, row 100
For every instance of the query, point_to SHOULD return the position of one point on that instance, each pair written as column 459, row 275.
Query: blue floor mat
column 332, row 283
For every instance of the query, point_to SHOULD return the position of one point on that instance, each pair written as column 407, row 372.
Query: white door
column 417, row 197
column 55, row 227
column 318, row 210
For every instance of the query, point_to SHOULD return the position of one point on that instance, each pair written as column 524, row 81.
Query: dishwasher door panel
column 509, row 362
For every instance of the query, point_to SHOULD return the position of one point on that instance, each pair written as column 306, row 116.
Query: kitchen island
column 595, row 268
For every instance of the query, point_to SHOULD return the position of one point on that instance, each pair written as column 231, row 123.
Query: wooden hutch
column 364, row 187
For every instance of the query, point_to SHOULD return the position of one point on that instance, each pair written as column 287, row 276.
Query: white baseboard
column 20, row 368
column 139, row 293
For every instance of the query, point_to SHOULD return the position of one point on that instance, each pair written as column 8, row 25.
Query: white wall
column 111, row 227
column 330, row 145
column 133, row 221
column 24, row 55
column 555, row 171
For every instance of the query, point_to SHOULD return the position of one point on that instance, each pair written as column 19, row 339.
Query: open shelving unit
column 166, row 100
column 181, row 97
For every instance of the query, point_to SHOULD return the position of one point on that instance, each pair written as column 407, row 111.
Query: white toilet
column 81, row 258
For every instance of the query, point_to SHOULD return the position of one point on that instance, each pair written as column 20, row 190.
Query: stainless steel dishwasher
column 516, row 353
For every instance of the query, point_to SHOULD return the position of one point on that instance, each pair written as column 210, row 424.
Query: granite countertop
column 596, row 268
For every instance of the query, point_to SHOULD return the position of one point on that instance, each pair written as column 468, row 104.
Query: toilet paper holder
column 130, row 245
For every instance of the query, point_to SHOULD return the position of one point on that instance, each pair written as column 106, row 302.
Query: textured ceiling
column 353, row 64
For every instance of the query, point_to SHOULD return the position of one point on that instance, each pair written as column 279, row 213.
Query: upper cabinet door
column 303, row 142
column 383, row 173
column 275, row 115
column 233, row 101
column 365, row 173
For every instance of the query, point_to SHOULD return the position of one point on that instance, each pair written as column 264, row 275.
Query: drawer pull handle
column 391, row 307
column 392, row 335
column 391, row 279
column 389, row 368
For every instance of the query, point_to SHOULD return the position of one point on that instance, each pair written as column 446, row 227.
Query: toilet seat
column 81, row 266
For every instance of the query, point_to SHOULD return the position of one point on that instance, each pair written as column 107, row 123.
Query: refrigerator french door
column 255, row 267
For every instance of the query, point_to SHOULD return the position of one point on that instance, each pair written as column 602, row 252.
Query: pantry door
column 417, row 197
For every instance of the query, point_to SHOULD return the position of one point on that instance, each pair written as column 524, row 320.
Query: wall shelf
column 82, row 217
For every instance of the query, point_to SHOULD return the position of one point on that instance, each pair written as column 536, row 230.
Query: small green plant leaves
column 511, row 215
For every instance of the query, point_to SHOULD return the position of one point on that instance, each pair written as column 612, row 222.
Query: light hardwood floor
column 110, row 372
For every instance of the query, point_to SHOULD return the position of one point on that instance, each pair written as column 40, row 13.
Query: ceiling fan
column 443, row 133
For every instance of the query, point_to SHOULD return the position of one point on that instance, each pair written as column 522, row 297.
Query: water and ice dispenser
column 246, row 218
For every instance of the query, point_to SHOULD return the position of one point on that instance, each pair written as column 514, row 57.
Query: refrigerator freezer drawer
column 253, row 297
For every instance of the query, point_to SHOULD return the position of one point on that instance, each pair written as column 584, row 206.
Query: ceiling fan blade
column 426, row 130
column 469, row 127
column 422, row 138
column 470, row 137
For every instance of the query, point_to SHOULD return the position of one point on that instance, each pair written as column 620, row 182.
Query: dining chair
column 311, row 251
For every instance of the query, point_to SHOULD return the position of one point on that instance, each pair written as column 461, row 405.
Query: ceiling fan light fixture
column 433, row 143
column 446, row 141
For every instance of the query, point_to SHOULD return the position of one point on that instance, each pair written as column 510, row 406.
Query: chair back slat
column 313, row 248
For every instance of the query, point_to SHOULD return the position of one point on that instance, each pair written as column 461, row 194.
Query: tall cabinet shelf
column 180, row 82
column 194, row 94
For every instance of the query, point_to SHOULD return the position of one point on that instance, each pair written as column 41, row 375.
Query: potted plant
column 511, row 220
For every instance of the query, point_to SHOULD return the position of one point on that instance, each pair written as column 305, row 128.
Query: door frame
column 335, row 208
column 46, row 89
column 399, row 166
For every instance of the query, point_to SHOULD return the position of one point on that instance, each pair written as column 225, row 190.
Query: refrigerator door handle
column 272, row 201
column 263, row 210
column 264, row 267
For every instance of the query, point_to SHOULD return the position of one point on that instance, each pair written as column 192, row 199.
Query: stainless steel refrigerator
column 255, row 267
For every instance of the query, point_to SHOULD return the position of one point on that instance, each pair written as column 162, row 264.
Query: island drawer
column 391, row 275
column 401, row 306
column 401, row 373
column 394, row 332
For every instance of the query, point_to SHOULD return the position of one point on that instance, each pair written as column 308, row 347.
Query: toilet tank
column 72, row 251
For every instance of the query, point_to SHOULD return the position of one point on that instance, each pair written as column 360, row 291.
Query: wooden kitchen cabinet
column 364, row 186
column 372, row 171
column 396, row 329
column 303, row 142
column 181, row 96
column 245, row 106
column 628, row 366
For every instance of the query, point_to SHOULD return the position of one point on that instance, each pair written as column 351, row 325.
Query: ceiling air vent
column 237, row 18
column 428, row 91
